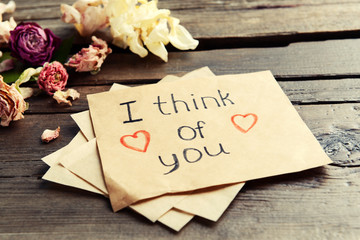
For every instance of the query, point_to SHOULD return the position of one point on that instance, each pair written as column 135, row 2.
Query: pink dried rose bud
column 90, row 59
column 52, row 77
column 49, row 135
column 12, row 104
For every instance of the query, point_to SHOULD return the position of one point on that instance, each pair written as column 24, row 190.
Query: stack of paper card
column 185, row 146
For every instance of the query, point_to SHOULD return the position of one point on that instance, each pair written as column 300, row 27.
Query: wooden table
column 312, row 48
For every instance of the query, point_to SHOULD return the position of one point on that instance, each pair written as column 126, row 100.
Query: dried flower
column 61, row 97
column 12, row 104
column 32, row 44
column 6, row 26
column 87, row 15
column 52, row 77
column 136, row 23
column 49, row 135
column 90, row 59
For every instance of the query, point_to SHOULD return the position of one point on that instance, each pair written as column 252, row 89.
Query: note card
column 193, row 134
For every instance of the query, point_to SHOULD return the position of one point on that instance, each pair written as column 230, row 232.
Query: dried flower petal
column 12, row 104
column 26, row 92
column 90, row 59
column 6, row 65
column 87, row 15
column 49, row 135
column 5, row 28
column 61, row 97
column 70, row 14
column 180, row 37
column 7, row 8
column 157, row 39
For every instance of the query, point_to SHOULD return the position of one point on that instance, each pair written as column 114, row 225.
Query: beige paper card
column 187, row 135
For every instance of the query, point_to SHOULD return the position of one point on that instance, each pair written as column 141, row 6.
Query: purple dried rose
column 32, row 44
column 52, row 77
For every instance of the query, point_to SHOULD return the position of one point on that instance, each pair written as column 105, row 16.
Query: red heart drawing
column 143, row 143
column 241, row 129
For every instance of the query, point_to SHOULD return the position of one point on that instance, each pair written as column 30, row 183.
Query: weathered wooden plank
column 35, row 9
column 321, row 59
column 272, row 21
column 322, row 91
column 24, row 4
column 289, row 206
column 260, row 18
column 299, row 92
column 322, row 203
column 215, row 5
column 336, row 126
column 200, row 4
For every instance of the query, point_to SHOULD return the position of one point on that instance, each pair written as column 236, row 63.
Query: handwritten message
column 140, row 140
